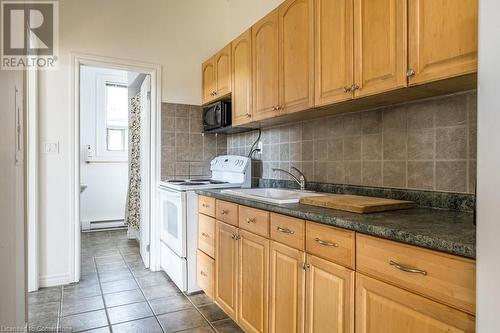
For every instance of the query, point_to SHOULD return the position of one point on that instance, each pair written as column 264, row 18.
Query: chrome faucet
column 299, row 180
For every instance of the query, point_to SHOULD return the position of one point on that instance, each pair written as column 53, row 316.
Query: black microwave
column 217, row 116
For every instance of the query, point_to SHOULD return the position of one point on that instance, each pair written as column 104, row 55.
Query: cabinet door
column 253, row 283
column 242, row 79
column 226, row 268
column 329, row 297
column 208, row 80
column 286, row 290
column 442, row 39
column 222, row 64
column 296, row 55
column 334, row 51
column 380, row 51
column 265, row 67
column 382, row 308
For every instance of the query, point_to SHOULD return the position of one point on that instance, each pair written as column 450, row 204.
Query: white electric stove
column 179, row 216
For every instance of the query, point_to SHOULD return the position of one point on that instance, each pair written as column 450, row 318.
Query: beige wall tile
column 371, row 147
column 394, row 145
column 321, row 171
column 394, row 118
column 284, row 152
column 295, row 133
column 420, row 175
column 451, row 176
column 394, row 174
column 372, row 173
column 420, row 115
column 352, row 171
column 320, row 150
column 472, row 147
column 336, row 173
column 335, row 149
column 308, row 150
column 352, row 148
column 371, row 122
column 451, row 143
column 181, row 139
column 451, row 110
column 472, row 176
column 421, row 144
column 295, row 151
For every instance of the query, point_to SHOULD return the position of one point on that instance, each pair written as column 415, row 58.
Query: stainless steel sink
column 271, row 195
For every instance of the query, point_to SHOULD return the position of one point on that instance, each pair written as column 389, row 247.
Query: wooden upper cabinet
column 333, row 51
column 296, row 55
column 380, row 46
column 253, row 283
column 287, row 289
column 265, row 78
column 222, row 62
column 241, row 54
column 442, row 39
column 226, row 268
column 208, row 80
column 329, row 297
column 382, row 308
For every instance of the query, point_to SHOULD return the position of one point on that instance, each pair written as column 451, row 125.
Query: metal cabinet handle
column 354, row 87
column 410, row 72
column 202, row 273
column 306, row 266
column 326, row 243
column 250, row 220
column 235, row 237
column 285, row 230
column 205, row 205
column 406, row 268
column 347, row 89
column 248, row 115
column 224, row 212
column 205, row 235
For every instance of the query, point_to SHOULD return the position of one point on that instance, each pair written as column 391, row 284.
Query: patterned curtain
column 133, row 208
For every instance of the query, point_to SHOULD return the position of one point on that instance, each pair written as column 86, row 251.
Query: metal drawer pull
column 205, row 235
column 407, row 269
column 325, row 243
column 250, row 220
column 202, row 273
column 285, row 230
column 224, row 212
column 205, row 205
column 235, row 237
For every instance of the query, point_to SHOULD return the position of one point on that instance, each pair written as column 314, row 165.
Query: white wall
column 177, row 34
column 180, row 35
column 105, row 197
column 12, row 282
column 488, row 164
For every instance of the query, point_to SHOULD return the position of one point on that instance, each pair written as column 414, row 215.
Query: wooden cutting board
column 356, row 203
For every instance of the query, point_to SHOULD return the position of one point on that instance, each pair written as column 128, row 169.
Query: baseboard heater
column 105, row 224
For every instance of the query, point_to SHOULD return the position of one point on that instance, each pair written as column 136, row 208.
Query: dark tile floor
column 117, row 294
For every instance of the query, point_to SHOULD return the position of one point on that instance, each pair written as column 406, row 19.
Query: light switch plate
column 51, row 147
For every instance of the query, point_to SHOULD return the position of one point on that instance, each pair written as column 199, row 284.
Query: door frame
column 155, row 72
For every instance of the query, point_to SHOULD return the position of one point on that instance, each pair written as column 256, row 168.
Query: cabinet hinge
column 148, row 247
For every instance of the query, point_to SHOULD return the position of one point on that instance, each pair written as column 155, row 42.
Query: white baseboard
column 54, row 280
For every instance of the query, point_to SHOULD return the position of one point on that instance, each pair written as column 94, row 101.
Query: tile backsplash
column 425, row 145
column 186, row 151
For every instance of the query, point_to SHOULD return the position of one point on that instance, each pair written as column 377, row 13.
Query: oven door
column 173, row 220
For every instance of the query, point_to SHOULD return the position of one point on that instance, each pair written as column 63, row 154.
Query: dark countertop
column 437, row 229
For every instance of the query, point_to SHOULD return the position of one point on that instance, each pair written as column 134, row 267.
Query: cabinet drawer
column 254, row 220
column 442, row 277
column 288, row 230
column 226, row 212
column 206, row 234
column 206, row 205
column 205, row 274
column 330, row 243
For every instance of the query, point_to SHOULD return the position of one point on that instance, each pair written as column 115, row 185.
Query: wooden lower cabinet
column 253, row 283
column 383, row 308
column 287, row 289
column 226, row 268
column 329, row 297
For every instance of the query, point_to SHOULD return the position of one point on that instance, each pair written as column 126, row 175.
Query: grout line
column 102, row 294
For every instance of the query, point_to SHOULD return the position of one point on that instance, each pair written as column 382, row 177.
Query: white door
column 145, row 169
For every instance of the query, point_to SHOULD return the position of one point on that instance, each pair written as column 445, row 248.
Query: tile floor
column 117, row 294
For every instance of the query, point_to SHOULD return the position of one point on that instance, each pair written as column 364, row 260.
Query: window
column 116, row 117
